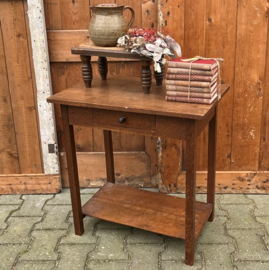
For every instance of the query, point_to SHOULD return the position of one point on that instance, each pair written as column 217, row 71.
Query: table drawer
column 124, row 119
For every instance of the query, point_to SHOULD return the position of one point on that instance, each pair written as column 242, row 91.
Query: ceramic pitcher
column 108, row 24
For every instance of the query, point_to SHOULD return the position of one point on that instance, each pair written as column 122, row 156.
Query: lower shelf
column 145, row 210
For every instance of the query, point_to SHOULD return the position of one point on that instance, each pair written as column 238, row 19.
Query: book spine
column 171, row 87
column 187, row 65
column 187, row 83
column 192, row 77
column 192, row 94
column 186, row 71
column 191, row 100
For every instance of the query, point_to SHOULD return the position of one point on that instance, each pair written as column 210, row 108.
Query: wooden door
column 238, row 32
column 135, row 156
column 21, row 163
column 233, row 30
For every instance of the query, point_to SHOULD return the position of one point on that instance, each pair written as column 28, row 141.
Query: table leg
column 159, row 76
column 70, row 149
column 212, row 147
column 102, row 67
column 190, row 198
column 86, row 70
column 109, row 156
column 146, row 75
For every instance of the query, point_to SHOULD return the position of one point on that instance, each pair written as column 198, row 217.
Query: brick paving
column 36, row 232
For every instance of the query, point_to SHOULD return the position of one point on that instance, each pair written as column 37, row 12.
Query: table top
column 88, row 48
column 125, row 94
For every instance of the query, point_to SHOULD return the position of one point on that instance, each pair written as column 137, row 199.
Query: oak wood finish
column 109, row 156
column 124, row 95
column 14, row 48
column 190, row 195
column 89, row 49
column 131, row 120
column 146, row 75
column 119, row 105
column 86, row 70
column 102, row 67
column 146, row 210
column 216, row 35
column 212, row 147
column 29, row 184
column 9, row 161
column 134, row 166
column 72, row 171
column 250, row 182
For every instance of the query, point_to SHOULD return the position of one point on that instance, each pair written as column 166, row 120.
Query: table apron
column 151, row 125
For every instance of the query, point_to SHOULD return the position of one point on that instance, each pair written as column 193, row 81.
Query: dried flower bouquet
column 151, row 43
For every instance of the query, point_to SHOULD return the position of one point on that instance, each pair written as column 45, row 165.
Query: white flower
column 163, row 45
column 160, row 42
column 122, row 41
column 153, row 48
column 173, row 45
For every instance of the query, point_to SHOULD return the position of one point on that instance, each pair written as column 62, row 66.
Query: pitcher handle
column 133, row 16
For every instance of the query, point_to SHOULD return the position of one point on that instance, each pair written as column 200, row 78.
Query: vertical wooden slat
column 97, row 2
column 149, row 20
column 194, row 28
column 211, row 168
column 173, row 19
column 151, row 144
column 249, row 76
column 131, row 142
column 75, row 14
column 220, row 42
column 171, row 164
column 264, row 141
column 53, row 14
column 20, row 82
column 190, row 196
column 72, row 171
column 149, row 14
column 110, row 173
column 194, row 44
column 136, row 6
column 9, row 163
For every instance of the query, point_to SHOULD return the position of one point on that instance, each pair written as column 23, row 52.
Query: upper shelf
column 88, row 48
column 159, row 213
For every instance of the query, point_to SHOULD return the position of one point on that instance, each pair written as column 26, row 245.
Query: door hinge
column 53, row 148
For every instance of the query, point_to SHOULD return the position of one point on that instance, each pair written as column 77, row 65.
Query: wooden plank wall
column 238, row 32
column 18, row 93
column 20, row 152
column 67, row 23
column 234, row 30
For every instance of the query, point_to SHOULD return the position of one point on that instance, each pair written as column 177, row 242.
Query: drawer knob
column 122, row 119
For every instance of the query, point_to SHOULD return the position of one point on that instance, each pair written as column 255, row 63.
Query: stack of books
column 194, row 82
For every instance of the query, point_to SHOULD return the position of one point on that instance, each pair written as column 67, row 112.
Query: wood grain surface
column 238, row 34
column 29, row 184
column 9, row 160
column 133, row 207
column 20, row 86
column 113, row 94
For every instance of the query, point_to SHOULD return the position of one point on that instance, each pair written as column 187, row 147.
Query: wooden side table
column 120, row 105
column 88, row 49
